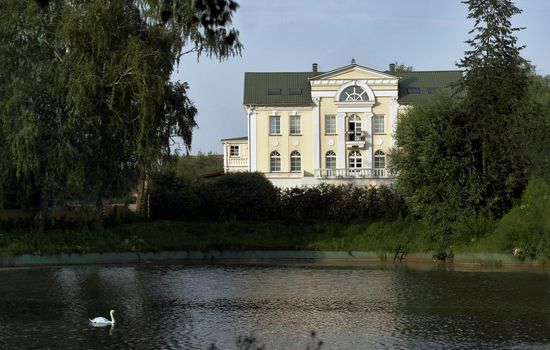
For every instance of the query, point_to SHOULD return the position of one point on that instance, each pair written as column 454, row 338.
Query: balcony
column 239, row 162
column 356, row 138
column 362, row 173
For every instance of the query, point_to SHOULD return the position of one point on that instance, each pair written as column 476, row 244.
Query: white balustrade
column 365, row 173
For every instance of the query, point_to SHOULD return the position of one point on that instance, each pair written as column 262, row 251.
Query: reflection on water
column 191, row 307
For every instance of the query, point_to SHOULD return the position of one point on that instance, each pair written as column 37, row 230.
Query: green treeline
column 250, row 196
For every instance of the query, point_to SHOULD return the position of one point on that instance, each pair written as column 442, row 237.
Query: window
column 379, row 159
column 275, row 161
column 413, row 90
column 233, row 151
column 330, row 124
column 355, row 160
column 330, row 160
column 275, row 125
column 294, row 91
column 354, row 93
column 273, row 91
column 378, row 124
column 354, row 128
column 295, row 124
column 295, row 161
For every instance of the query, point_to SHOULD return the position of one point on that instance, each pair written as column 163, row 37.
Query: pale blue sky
column 289, row 35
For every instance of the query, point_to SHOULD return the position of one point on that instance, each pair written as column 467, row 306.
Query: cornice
column 330, row 82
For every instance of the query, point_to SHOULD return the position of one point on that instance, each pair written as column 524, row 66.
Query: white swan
column 103, row 320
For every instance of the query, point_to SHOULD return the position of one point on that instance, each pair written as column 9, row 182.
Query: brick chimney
column 392, row 67
column 314, row 67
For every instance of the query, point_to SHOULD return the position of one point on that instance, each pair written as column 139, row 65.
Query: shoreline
column 295, row 257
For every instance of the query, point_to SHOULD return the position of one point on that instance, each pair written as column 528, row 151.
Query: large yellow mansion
column 305, row 128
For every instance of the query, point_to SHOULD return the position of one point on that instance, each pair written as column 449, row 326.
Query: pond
column 195, row 306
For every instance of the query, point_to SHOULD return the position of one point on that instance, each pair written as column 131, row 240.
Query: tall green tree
column 86, row 101
column 471, row 154
column 496, row 85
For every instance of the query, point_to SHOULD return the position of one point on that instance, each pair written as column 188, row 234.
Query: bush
column 242, row 196
column 172, row 197
column 527, row 226
column 344, row 203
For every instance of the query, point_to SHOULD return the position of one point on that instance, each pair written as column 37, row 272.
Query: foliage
column 172, row 197
column 345, row 203
column 435, row 163
column 86, row 102
column 230, row 235
column 194, row 166
column 496, row 85
column 469, row 156
column 402, row 68
column 526, row 228
column 250, row 196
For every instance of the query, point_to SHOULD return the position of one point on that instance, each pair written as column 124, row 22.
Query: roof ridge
column 432, row 71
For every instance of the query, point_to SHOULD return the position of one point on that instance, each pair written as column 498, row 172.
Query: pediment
column 354, row 72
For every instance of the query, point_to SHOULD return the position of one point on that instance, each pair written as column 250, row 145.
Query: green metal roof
column 256, row 87
column 413, row 86
column 421, row 85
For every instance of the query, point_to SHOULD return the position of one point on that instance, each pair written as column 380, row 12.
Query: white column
column 394, row 117
column 225, row 158
column 368, row 133
column 341, row 130
column 316, row 150
column 251, row 115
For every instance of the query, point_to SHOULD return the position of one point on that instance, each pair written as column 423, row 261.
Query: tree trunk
column 41, row 211
column 142, row 202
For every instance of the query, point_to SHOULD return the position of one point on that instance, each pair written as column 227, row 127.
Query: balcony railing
column 237, row 162
column 356, row 137
column 363, row 173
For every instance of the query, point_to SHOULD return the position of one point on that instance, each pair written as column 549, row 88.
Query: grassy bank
column 179, row 235
column 525, row 230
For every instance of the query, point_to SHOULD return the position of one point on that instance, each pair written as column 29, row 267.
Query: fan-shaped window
column 295, row 161
column 330, row 160
column 355, row 160
column 275, row 161
column 354, row 93
column 379, row 159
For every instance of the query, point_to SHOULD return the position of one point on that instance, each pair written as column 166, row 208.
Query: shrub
column 172, row 197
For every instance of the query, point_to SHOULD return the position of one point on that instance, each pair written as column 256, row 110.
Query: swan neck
column 112, row 317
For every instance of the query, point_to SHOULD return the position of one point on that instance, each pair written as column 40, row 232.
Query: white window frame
column 379, row 124
column 354, row 93
column 379, row 159
column 295, row 162
column 355, row 160
column 232, row 152
column 332, row 156
column 274, row 162
column 274, row 125
column 295, row 125
column 333, row 130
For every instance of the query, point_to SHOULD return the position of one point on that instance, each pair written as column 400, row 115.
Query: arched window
column 295, row 161
column 355, row 160
column 275, row 161
column 354, row 93
column 330, row 160
column 379, row 160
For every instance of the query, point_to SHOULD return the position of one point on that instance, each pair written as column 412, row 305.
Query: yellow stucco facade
column 336, row 127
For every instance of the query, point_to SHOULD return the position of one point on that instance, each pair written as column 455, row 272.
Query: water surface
column 194, row 306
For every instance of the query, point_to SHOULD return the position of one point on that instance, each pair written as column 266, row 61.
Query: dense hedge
column 250, row 196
